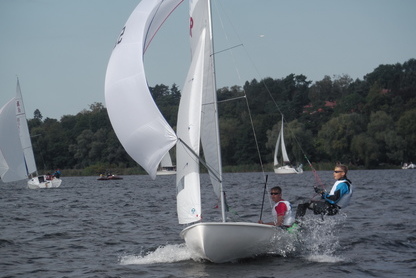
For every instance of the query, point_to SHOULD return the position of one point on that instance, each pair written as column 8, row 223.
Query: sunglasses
column 273, row 193
column 336, row 172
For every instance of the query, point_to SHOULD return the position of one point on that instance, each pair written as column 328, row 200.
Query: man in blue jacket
column 330, row 203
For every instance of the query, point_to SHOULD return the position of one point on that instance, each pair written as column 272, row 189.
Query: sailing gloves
column 319, row 190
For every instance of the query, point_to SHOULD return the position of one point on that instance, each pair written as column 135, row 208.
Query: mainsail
column 24, row 132
column 12, row 163
column 280, row 145
column 16, row 154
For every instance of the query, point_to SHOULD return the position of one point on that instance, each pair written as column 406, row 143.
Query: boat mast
column 222, row 198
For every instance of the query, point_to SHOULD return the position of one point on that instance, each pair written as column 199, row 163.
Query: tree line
column 367, row 123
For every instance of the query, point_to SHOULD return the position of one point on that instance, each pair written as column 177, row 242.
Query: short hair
column 277, row 188
column 343, row 167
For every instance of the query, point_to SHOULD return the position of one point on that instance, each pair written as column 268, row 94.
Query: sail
column 210, row 138
column 276, row 150
column 188, row 131
column 285, row 157
column 12, row 163
column 197, row 117
column 166, row 161
column 24, row 132
column 280, row 145
column 138, row 123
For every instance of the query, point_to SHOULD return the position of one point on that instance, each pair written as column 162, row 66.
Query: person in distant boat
column 330, row 203
column 49, row 176
column 57, row 174
column 282, row 210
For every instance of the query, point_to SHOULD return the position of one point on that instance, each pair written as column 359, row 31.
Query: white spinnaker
column 24, row 132
column 138, row 123
column 12, row 162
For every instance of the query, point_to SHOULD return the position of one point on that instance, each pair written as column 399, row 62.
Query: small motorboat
column 109, row 177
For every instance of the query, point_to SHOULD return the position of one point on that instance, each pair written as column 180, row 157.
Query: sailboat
column 17, row 160
column 284, row 167
column 149, row 137
column 166, row 167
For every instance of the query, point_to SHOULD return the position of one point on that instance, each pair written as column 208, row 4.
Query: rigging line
column 215, row 53
column 221, row 10
column 254, row 134
column 231, row 99
column 315, row 173
column 264, row 194
column 225, row 100
column 201, row 160
column 216, row 5
column 280, row 111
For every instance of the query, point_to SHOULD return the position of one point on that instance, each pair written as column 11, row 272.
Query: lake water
column 128, row 228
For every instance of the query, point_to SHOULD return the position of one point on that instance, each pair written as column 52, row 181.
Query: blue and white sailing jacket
column 340, row 194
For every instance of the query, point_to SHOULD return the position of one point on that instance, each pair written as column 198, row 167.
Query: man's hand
column 319, row 190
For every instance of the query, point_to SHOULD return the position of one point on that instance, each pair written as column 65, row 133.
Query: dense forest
column 367, row 123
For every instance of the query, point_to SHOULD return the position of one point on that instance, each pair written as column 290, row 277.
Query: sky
column 59, row 49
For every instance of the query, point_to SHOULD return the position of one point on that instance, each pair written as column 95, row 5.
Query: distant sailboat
column 17, row 161
column 409, row 166
column 166, row 166
column 149, row 137
column 280, row 154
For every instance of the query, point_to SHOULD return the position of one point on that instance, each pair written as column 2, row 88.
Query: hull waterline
column 36, row 183
column 221, row 242
column 287, row 170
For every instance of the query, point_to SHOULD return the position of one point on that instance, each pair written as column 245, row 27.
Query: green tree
column 364, row 150
column 406, row 127
column 389, row 143
column 336, row 135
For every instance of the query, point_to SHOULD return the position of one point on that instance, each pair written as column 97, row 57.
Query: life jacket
column 344, row 201
column 288, row 218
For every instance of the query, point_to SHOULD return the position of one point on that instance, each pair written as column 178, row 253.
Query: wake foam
column 318, row 239
column 163, row 254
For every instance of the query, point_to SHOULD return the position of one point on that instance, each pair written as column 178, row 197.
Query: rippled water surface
column 128, row 228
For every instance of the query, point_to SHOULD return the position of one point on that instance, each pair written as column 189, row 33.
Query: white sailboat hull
column 287, row 170
column 410, row 166
column 35, row 183
column 165, row 172
column 221, row 242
